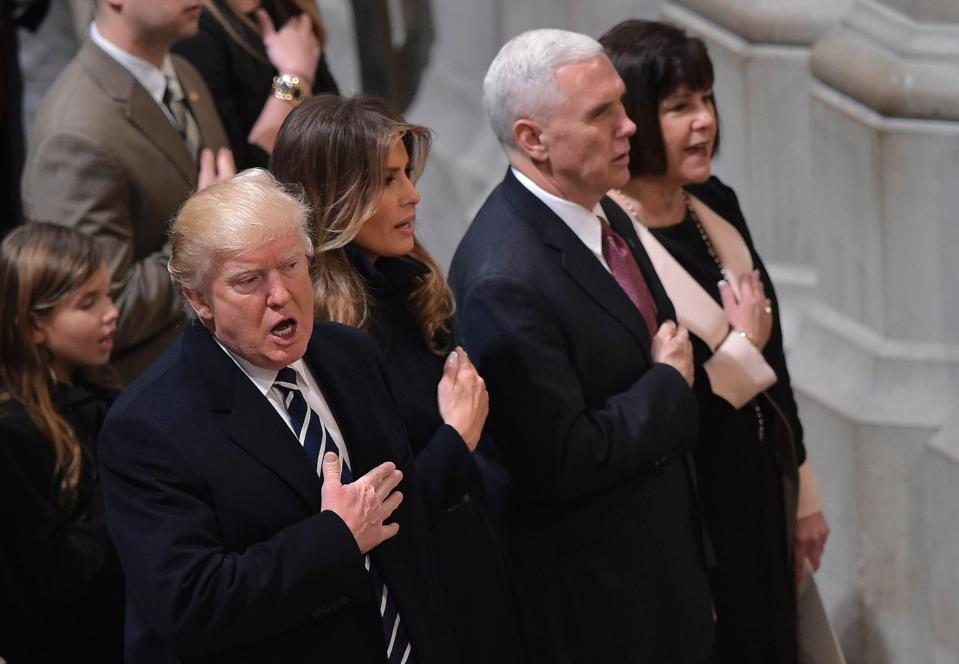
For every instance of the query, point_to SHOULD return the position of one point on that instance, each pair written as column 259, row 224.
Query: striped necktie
column 315, row 439
column 175, row 101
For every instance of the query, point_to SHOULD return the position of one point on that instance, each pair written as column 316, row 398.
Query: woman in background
column 260, row 59
column 750, row 444
column 56, row 326
column 358, row 162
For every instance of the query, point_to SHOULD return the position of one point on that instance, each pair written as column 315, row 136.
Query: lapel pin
column 194, row 97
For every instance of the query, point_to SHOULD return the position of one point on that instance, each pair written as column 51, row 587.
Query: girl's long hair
column 41, row 264
column 336, row 149
column 229, row 17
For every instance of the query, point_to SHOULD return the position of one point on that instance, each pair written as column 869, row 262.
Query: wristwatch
column 291, row 88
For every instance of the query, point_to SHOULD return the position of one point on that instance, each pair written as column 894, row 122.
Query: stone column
column 760, row 52
column 877, row 360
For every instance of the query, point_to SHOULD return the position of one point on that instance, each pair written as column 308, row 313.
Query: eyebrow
column 594, row 112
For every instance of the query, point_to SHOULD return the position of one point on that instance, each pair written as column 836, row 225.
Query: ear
column 197, row 300
column 38, row 329
column 528, row 135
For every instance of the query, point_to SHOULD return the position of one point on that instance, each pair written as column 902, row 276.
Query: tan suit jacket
column 104, row 158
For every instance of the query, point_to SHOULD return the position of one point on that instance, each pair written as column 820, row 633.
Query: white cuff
column 738, row 371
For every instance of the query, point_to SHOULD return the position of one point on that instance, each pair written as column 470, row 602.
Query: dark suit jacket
column 215, row 512
column 594, row 436
column 104, row 159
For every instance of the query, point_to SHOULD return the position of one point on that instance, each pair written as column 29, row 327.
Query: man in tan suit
column 123, row 137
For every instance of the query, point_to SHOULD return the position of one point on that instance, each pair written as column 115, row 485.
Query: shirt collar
column 584, row 223
column 152, row 79
column 262, row 378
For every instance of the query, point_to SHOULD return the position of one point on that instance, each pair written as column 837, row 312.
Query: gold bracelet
column 747, row 337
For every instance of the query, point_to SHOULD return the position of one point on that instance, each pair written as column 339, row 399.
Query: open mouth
column 408, row 226
column 285, row 329
column 106, row 341
column 699, row 150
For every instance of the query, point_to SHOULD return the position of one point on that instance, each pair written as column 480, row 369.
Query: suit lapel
column 248, row 418
column 140, row 109
column 577, row 261
column 342, row 392
column 364, row 425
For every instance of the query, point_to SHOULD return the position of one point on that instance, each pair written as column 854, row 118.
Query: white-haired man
column 589, row 377
column 227, row 466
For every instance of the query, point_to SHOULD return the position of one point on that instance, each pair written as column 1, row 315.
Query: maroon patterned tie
column 627, row 274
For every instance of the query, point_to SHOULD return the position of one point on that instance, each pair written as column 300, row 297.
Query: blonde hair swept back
column 246, row 211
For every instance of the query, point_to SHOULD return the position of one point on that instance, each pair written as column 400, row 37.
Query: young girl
column 60, row 580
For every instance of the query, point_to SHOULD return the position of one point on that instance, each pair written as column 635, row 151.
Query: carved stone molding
column 891, row 63
column 795, row 23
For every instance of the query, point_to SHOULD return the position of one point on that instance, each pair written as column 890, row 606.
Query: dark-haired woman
column 750, row 455
column 358, row 162
column 63, row 587
column 260, row 58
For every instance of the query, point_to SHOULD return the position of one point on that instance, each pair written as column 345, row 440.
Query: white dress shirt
column 263, row 380
column 584, row 223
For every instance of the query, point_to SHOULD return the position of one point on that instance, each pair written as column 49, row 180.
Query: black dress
column 240, row 82
column 58, row 569
column 476, row 579
column 741, row 476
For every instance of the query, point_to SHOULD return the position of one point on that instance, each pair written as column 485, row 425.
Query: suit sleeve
column 195, row 594
column 446, row 471
column 560, row 446
column 74, row 183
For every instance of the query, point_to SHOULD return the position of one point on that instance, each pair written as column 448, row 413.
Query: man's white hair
column 521, row 80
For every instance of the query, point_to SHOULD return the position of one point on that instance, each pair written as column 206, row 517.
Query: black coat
column 60, row 577
column 215, row 511
column 240, row 82
column 594, row 435
column 478, row 584
column 748, row 485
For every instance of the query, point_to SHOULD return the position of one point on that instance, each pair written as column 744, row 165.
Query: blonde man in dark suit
column 123, row 137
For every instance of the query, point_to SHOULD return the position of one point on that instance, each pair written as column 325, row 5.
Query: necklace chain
column 702, row 233
column 760, row 420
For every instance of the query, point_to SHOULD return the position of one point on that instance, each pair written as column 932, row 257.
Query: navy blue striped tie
column 316, row 441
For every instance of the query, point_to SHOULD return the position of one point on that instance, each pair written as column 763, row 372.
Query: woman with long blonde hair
column 358, row 162
column 57, row 323
column 260, row 58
